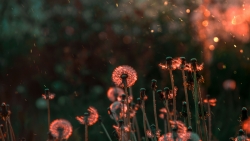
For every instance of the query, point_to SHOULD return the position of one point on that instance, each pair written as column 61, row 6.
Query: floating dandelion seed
column 114, row 92
column 229, row 84
column 61, row 128
column 92, row 117
column 127, row 71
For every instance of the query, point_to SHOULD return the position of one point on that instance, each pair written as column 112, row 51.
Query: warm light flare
column 246, row 125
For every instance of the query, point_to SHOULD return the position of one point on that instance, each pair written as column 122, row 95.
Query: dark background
column 72, row 47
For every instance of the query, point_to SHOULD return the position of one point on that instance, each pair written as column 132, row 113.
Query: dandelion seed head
column 172, row 93
column 129, row 72
column 118, row 110
column 91, row 118
column 49, row 96
column 211, row 101
column 118, row 130
column 114, row 92
column 149, row 134
column 181, row 128
column 61, row 127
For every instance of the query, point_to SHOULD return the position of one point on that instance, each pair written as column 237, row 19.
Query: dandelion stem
column 137, row 128
column 1, row 133
column 168, row 115
column 105, row 130
column 155, row 114
column 203, row 116
column 209, row 119
column 12, row 135
column 196, row 102
column 165, row 126
column 7, row 130
column 144, row 121
column 127, row 122
column 186, row 96
column 174, row 97
column 86, row 132
column 48, row 106
column 134, row 138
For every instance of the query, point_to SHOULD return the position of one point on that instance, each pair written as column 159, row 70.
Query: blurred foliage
column 72, row 47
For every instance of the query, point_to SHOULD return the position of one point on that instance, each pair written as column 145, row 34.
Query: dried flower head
column 149, row 134
column 191, row 136
column 130, row 99
column 92, row 118
column 241, row 138
column 181, row 128
column 124, row 74
column 5, row 111
column 114, row 92
column 179, row 133
column 172, row 93
column 50, row 96
column 47, row 95
column 163, row 113
column 118, row 110
column 211, row 101
column 169, row 137
column 61, row 129
column 119, row 129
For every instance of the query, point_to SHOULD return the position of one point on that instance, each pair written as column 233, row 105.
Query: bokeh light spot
column 216, row 39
